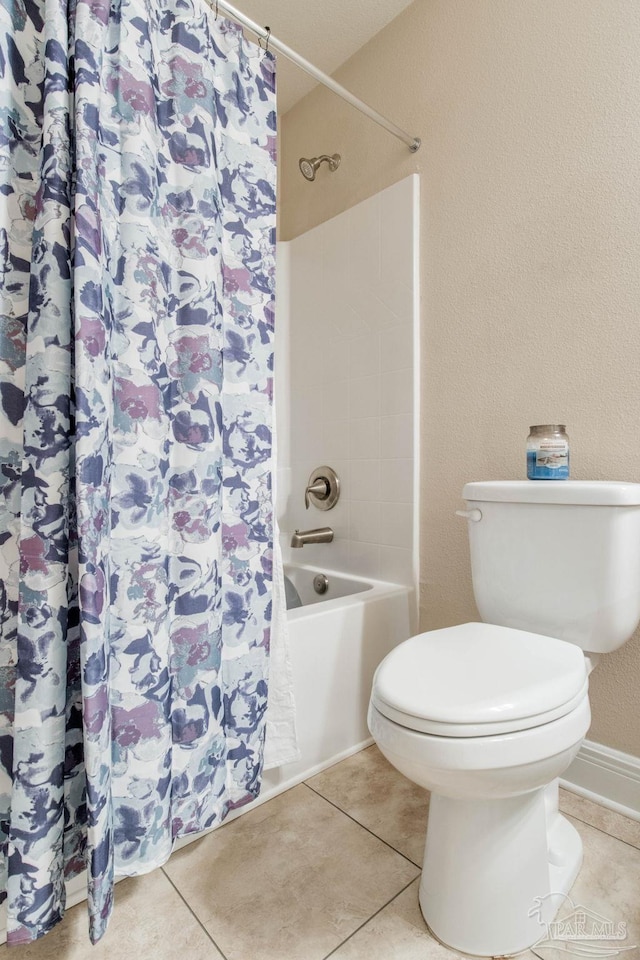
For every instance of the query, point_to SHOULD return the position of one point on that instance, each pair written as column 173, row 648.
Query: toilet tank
column 558, row 557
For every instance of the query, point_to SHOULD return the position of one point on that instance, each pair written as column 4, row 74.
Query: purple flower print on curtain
column 137, row 231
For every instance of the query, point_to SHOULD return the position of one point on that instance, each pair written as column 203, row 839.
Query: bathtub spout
column 320, row 535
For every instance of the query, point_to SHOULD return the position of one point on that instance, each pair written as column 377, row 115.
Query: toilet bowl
column 495, row 839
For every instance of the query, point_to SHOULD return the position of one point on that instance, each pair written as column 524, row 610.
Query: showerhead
column 308, row 168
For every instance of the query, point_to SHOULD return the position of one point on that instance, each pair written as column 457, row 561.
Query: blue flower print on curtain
column 137, row 232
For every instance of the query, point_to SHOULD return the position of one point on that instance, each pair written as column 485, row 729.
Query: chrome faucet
column 320, row 535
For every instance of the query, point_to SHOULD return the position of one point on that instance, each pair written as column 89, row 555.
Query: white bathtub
column 337, row 640
column 338, row 587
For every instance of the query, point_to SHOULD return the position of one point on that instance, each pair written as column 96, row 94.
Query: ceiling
column 325, row 32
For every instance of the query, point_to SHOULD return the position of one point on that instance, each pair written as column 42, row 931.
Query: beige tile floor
column 328, row 869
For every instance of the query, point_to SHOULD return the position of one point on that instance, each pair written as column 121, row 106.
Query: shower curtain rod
column 265, row 34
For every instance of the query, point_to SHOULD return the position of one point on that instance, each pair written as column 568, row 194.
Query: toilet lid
column 478, row 679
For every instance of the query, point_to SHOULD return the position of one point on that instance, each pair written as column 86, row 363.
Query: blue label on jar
column 541, row 466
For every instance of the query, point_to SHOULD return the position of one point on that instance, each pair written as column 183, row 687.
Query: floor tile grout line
column 369, row 919
column 386, row 843
column 600, row 830
column 193, row 913
column 563, row 812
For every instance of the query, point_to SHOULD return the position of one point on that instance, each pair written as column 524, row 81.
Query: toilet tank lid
column 580, row 492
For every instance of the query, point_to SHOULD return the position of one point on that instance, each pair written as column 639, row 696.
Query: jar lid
column 548, row 427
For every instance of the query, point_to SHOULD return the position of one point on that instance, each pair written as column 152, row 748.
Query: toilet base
column 492, row 868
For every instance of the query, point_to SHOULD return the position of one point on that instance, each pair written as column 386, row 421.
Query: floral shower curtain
column 137, row 215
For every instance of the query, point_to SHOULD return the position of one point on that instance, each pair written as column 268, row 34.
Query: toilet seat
column 479, row 680
column 423, row 725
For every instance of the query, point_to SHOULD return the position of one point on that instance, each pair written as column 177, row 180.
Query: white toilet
column 488, row 715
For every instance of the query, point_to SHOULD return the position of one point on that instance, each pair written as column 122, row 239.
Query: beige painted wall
column 529, row 112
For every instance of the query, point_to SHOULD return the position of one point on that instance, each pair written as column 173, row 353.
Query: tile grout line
column 600, row 830
column 353, row 819
column 561, row 811
column 192, row 912
column 368, row 920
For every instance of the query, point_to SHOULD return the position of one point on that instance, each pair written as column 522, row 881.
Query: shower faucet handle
column 319, row 489
column 323, row 489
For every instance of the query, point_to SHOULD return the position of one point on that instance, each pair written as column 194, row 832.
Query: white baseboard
column 606, row 776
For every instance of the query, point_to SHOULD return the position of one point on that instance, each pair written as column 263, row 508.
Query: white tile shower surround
column 328, row 869
column 346, row 383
